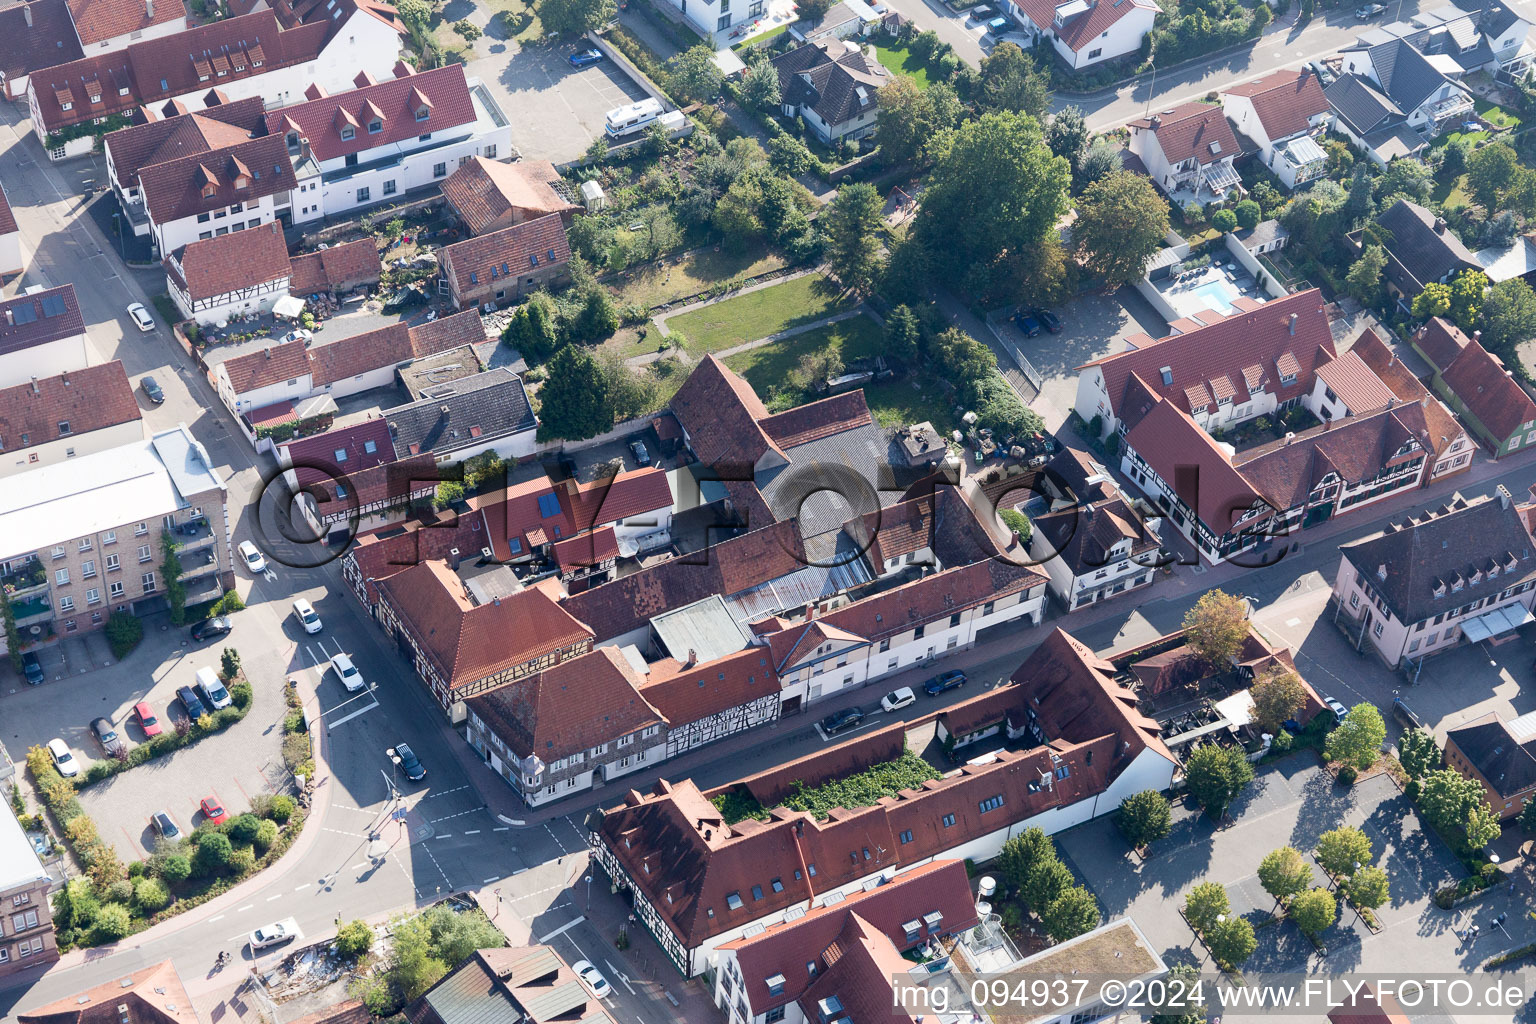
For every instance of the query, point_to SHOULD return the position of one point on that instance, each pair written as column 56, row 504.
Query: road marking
column 219, row 918
column 488, row 881
column 620, row 975
column 450, row 817
column 1293, row 622
column 443, row 835
column 359, row 864
column 556, row 838
column 347, row 718
column 502, row 828
column 562, row 930
column 301, row 888
column 277, row 897
column 444, row 793
column 248, row 906
column 471, row 831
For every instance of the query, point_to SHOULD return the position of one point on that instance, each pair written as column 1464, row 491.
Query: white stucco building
column 41, row 334
column 1286, row 114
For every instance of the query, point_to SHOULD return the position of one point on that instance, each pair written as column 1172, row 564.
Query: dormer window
column 422, row 113
column 1381, row 572
column 66, row 105
column 375, row 126
column 239, row 66
column 208, row 191
column 1439, row 588
column 95, row 97
column 1457, row 584
column 1167, row 372
column 242, row 181
column 123, row 91
column 733, row 900
column 348, row 133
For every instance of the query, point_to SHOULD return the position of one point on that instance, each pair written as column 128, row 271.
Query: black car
column 32, row 668
column 107, row 736
column 191, row 701
column 840, row 720
column 210, row 628
column 1050, row 320
column 410, row 764
column 1028, row 324
column 151, row 389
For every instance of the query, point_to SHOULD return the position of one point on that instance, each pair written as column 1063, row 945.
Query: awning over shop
column 1500, row 620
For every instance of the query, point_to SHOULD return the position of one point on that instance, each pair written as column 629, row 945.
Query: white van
column 628, row 120
column 305, row 613
column 208, row 683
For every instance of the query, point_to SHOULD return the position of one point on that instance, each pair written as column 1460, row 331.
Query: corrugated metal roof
column 556, row 1001
column 473, row 995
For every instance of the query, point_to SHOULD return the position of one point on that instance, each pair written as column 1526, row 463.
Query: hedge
column 240, row 695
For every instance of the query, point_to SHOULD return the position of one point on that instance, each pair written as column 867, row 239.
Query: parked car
column 998, row 26
column 637, row 448
column 1339, row 710
column 145, row 715
column 272, row 934
column 410, row 764
column 213, row 811
column 107, row 736
column 1028, row 324
column 32, row 668
column 208, row 629
column 191, row 703
column 151, row 389
column 837, row 721
column 305, row 613
column 347, row 672
column 165, row 825
column 252, row 558
column 63, row 760
column 141, row 318
column 212, row 689
column 593, row 978
column 1322, row 71
column 898, row 699
column 951, row 680
column 586, row 58
column 983, row 13
column 1370, row 11
column 1050, row 320
column 299, row 334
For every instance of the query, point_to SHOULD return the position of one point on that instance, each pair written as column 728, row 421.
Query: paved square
column 555, row 110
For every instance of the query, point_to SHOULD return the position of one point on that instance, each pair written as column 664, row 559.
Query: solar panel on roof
column 549, row 505
column 53, row 305
column 25, row 313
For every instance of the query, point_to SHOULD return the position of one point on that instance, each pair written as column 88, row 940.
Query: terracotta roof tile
column 90, row 399
column 1355, row 384
column 1193, row 131
column 37, row 319
column 268, row 366
column 1478, row 378
column 146, row 992
column 180, row 187
column 97, row 21
column 587, row 549
column 722, row 415
column 1083, row 29
column 7, row 218
column 357, row 355
column 216, row 266
column 488, row 194
column 503, row 255
column 1441, row 342
column 48, row 39
column 321, row 119
column 1357, row 448
column 337, row 269
column 816, row 420
column 1388, row 369
column 1285, row 101
column 154, row 142
column 1196, row 468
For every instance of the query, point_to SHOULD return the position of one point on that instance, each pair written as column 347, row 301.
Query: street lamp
column 589, row 892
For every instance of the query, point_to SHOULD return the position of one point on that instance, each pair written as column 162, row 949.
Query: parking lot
column 556, row 110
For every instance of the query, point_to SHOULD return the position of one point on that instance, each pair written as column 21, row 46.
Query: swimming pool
column 1217, row 295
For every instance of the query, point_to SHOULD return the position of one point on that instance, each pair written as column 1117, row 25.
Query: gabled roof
column 152, row 995
column 342, row 451
column 97, row 21
column 1083, row 535
column 337, row 269
column 1478, row 378
column 47, row 39
column 573, row 706
column 467, row 642
column 1404, row 73
column 210, row 267
column 1355, row 384
column 1361, row 105
column 1193, row 131
column 1422, row 247
column 1356, row 449
column 483, row 192
column 501, row 257
column 828, row 77
column 443, row 93
column 180, row 187
column 1443, row 548
column 90, row 399
column 565, row 509
column 169, row 138
column 722, row 415
column 1507, row 761
column 267, row 366
column 685, row 693
column 1284, row 101
column 1441, row 342
column 483, row 406
column 1193, row 465
column 816, row 420
column 40, row 318
column 1080, row 29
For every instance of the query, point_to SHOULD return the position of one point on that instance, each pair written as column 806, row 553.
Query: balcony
column 1459, row 105
column 29, row 579
column 194, row 534
column 32, row 611
column 198, row 563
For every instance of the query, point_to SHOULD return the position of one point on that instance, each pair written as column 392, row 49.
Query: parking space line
column 359, row 864
column 301, row 888
column 488, row 881
column 347, row 718
column 471, row 831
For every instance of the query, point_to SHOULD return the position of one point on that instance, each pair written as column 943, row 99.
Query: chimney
column 10, row 317
column 1477, row 336
column 65, row 378
column 267, row 352
column 26, row 12
column 34, row 386
column 1293, row 324
column 1503, row 493
column 149, row 10
column 1156, row 122
column 1439, row 225
column 445, row 411
column 1327, row 422
column 693, row 658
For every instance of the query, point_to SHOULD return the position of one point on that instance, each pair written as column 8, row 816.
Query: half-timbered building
column 241, row 273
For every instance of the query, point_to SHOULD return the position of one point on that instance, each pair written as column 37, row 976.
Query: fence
column 1036, row 380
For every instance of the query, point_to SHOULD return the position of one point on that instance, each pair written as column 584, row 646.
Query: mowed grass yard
column 897, row 60
column 653, row 286
column 758, row 314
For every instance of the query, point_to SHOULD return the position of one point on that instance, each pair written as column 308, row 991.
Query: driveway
column 556, row 110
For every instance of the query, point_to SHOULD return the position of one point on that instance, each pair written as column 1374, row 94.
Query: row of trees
column 1031, row 868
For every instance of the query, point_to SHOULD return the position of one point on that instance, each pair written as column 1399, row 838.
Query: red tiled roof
column 1389, row 369
column 1285, row 101
column 317, row 453
column 156, row 70
column 1086, row 27
column 169, row 138
column 1478, row 378
column 394, row 484
column 7, row 218
column 1356, row 385
column 686, row 694
column 1189, row 131
column 268, row 366
column 1357, row 448
column 97, row 21
column 896, row 530
column 89, row 399
column 571, row 707
column 210, row 267
column 339, row 268
column 588, row 549
column 47, row 39
column 1441, row 342
column 800, row 639
column 447, row 332
column 470, row 642
column 504, row 255
column 1193, row 465
column 395, row 102
column 816, row 420
column 180, row 188
column 722, row 415
column 487, row 194
column 350, row 357
column 933, row 597
column 1228, row 347
column 25, row 321
column 517, row 512
column 147, row 992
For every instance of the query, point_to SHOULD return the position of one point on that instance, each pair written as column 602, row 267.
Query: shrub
column 229, row 661
column 282, row 808
column 295, row 750
column 242, row 861
column 112, row 923
column 1347, row 775
column 266, row 835
column 137, row 869
column 124, row 632
column 243, row 829
column 1411, row 790
column 120, row 891
column 81, row 830
column 354, row 939
column 213, row 853
column 150, row 895
column 175, row 868
column 240, row 695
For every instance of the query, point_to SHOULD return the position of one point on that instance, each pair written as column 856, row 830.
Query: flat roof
column 18, row 861
column 705, row 628
column 131, row 483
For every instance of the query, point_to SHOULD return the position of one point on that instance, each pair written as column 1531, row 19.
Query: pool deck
column 1195, row 292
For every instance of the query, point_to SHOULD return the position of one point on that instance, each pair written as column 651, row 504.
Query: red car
column 213, row 811
column 147, row 720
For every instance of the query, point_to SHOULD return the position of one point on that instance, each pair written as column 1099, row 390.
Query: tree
column 1527, row 819
column 1434, row 300
column 902, row 333
column 1491, row 172
column 1418, row 753
column 909, row 118
column 1018, row 522
column 533, row 328
column 1249, row 213
column 1509, row 316
column 150, row 894
column 1340, row 851
column 213, row 852
column 851, row 223
column 1313, row 911
column 175, row 868
column 412, row 967
column 448, row 492
column 12, row 634
column 1144, row 817
column 1231, row 942
column 353, row 939
column 1216, row 775
column 1224, row 221
column 1121, row 223
column 1453, row 158
column 1204, row 903
column 760, row 86
column 1075, row 912
column 415, row 15
column 1405, row 179
column 1364, row 278
column 1368, row 888
column 573, row 402
column 456, row 936
column 812, row 11
column 170, row 572
column 1020, row 853
column 1216, row 627
column 573, row 17
column 1482, row 827
column 1284, row 872
column 1067, row 135
column 1467, row 291
column 1276, row 698
column 1008, row 80
column 788, row 155
column 1100, row 161
column 695, row 72
column 112, row 923
column 631, row 391
column 1046, row 880
column 1447, row 798
column 1357, row 740
column 960, row 357
column 1176, row 1004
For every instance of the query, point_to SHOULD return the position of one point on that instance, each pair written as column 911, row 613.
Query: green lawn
column 1495, row 114
column 899, row 61
column 1451, row 193
column 654, row 286
column 768, row 365
column 910, row 399
column 758, row 314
